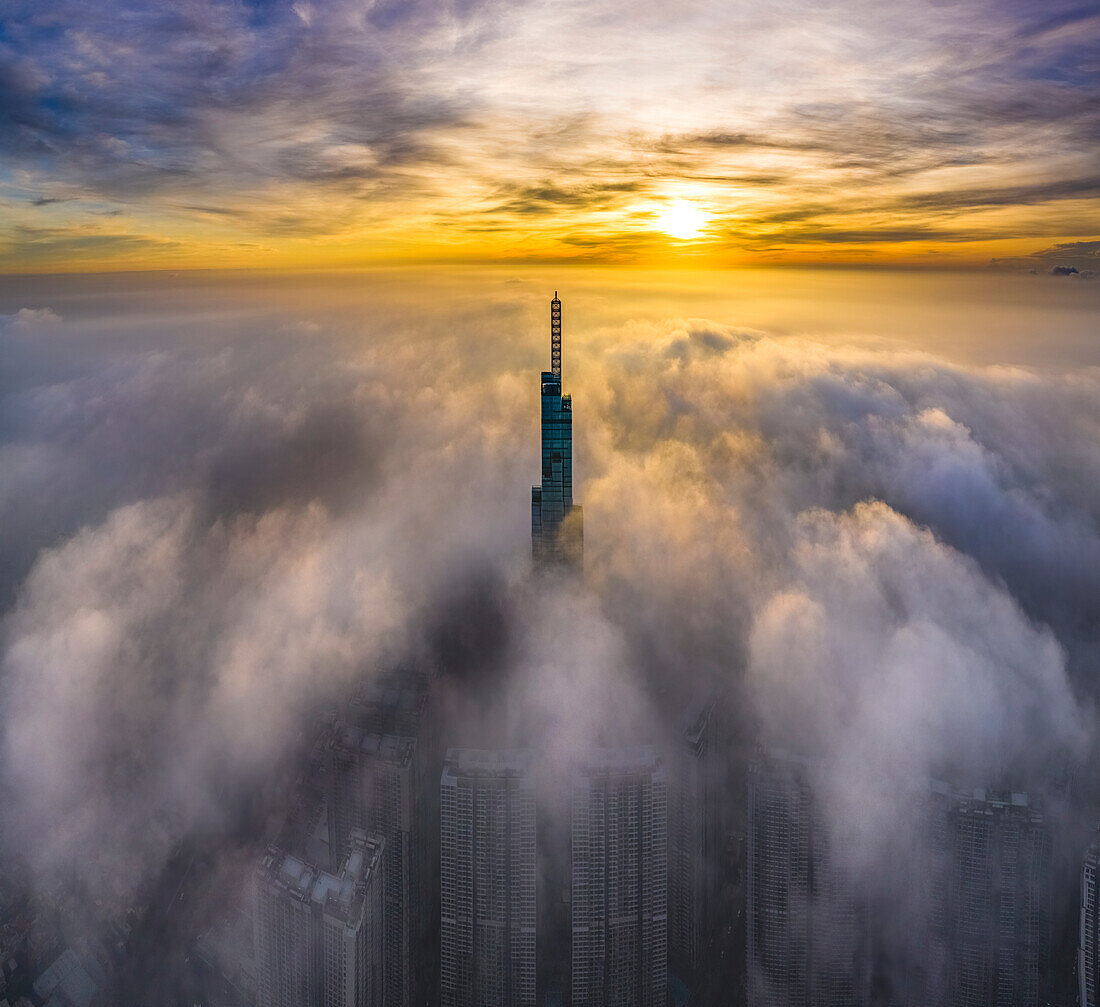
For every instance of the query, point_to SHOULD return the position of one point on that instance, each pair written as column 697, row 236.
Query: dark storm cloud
column 1073, row 258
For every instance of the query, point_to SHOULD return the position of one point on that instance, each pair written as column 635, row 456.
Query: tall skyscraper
column 620, row 893
column 1088, row 949
column 487, row 879
column 999, row 850
column 318, row 935
column 372, row 784
column 557, row 529
column 807, row 931
column 694, row 837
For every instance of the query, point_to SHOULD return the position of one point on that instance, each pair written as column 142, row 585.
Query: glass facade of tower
column 556, row 492
column 555, row 523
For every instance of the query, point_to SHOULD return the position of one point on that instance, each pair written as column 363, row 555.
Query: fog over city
column 220, row 514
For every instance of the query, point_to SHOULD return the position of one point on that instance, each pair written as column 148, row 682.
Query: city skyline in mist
column 297, row 607
column 226, row 512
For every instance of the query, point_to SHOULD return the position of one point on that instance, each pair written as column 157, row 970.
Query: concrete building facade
column 487, row 879
column 318, row 935
column 620, row 879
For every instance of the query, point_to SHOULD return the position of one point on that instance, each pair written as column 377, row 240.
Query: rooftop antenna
column 555, row 335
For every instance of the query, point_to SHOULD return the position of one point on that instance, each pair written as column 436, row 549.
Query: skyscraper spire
column 555, row 335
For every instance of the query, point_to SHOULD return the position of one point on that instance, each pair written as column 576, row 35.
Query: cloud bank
column 887, row 557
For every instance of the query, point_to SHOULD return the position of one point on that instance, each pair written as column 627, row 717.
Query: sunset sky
column 143, row 135
column 275, row 304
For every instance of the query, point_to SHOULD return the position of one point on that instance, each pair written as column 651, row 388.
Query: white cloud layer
column 883, row 556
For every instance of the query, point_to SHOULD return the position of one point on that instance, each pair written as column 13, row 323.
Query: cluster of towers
column 426, row 880
column 423, row 881
column 489, row 936
column 972, row 893
column 423, row 878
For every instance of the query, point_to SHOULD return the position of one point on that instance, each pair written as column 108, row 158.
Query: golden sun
column 682, row 220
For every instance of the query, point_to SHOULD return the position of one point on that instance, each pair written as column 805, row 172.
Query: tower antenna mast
column 555, row 335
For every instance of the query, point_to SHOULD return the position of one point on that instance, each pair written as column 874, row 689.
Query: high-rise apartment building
column 1088, row 949
column 318, row 935
column 998, row 848
column 401, row 702
column 807, row 935
column 619, row 893
column 557, row 530
column 372, row 785
column 487, row 879
column 694, row 838
column 979, row 874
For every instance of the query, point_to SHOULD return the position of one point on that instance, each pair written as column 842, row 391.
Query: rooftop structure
column 488, row 763
column 318, row 934
column 66, row 982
